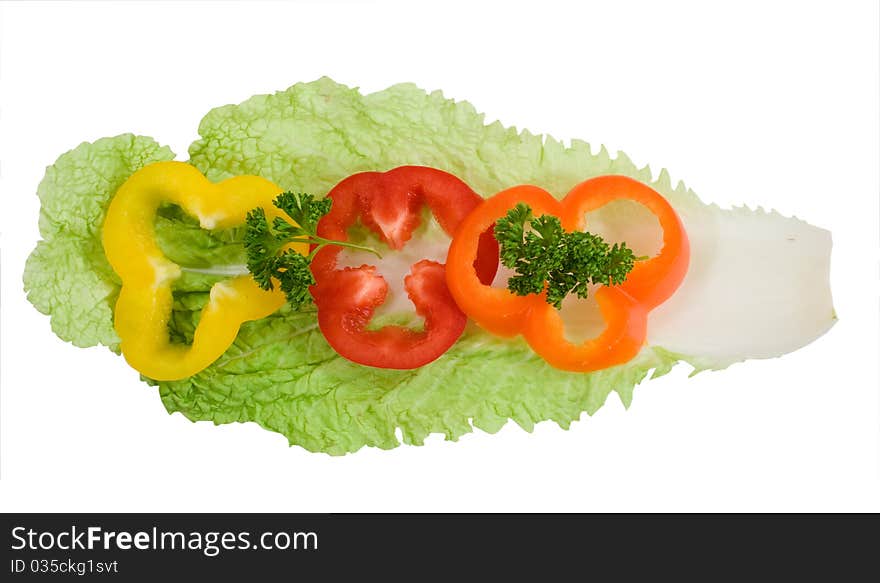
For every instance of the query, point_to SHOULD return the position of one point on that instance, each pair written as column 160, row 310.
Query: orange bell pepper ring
column 624, row 307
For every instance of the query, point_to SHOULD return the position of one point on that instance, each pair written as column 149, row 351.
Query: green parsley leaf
column 547, row 257
column 264, row 243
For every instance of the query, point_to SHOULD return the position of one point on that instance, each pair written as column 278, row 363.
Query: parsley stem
column 321, row 242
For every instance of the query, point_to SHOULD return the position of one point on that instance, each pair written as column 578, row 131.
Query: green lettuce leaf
column 67, row 275
column 281, row 373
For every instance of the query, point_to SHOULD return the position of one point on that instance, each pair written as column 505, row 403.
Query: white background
column 771, row 103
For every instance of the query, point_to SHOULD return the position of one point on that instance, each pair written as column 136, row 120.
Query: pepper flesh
column 144, row 305
column 624, row 307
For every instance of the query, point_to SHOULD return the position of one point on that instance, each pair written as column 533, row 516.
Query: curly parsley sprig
column 564, row 263
column 264, row 242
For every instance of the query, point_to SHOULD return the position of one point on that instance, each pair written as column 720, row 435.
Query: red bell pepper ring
column 390, row 205
column 624, row 307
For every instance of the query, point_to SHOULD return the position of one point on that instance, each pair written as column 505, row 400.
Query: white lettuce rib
column 757, row 287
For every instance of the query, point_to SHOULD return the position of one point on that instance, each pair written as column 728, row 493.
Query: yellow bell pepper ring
column 145, row 300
